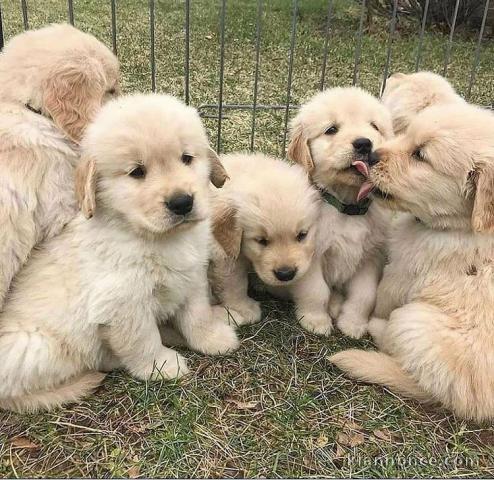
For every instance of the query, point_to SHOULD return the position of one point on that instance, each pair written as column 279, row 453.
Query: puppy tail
column 377, row 367
column 72, row 391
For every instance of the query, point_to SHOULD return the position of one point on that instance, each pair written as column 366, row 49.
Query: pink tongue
column 364, row 191
column 361, row 167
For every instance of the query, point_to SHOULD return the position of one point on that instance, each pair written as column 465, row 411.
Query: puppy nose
column 362, row 145
column 285, row 274
column 180, row 204
column 373, row 158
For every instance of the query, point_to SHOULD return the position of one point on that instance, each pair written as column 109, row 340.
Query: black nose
column 373, row 158
column 180, row 204
column 362, row 145
column 285, row 274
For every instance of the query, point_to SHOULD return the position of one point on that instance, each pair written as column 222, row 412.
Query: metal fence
column 218, row 110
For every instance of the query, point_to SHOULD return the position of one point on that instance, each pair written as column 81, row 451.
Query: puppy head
column 334, row 133
column 147, row 163
column 441, row 170
column 406, row 95
column 61, row 71
column 271, row 219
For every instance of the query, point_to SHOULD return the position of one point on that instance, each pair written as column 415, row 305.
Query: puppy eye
column 262, row 241
column 112, row 91
column 418, row 155
column 331, row 130
column 375, row 127
column 138, row 172
column 187, row 158
column 302, row 235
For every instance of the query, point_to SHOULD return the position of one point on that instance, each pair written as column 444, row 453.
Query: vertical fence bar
column 1, row 29
column 392, row 28
column 326, row 46
column 450, row 40
column 187, row 52
column 25, row 18
column 70, row 5
column 114, row 26
column 421, row 36
column 153, row 58
column 256, row 74
column 358, row 48
column 476, row 60
column 222, row 73
column 290, row 73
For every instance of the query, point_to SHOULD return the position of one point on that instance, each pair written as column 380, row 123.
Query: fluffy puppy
column 406, row 95
column 332, row 137
column 91, row 298
column 53, row 82
column 265, row 218
column 435, row 305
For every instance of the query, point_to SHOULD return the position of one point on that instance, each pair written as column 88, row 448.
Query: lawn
column 276, row 407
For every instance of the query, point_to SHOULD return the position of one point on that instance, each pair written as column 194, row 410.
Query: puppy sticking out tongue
column 364, row 191
column 362, row 167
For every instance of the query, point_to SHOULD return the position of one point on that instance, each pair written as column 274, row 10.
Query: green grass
column 276, row 407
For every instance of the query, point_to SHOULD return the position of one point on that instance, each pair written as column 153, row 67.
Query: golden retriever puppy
column 434, row 318
column 332, row 137
column 91, row 298
column 406, row 95
column 53, row 81
column 265, row 218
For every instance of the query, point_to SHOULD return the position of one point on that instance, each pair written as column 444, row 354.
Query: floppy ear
column 298, row 149
column 72, row 95
column 218, row 175
column 85, row 186
column 226, row 229
column 483, row 205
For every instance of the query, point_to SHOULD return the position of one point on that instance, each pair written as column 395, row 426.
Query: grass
column 275, row 408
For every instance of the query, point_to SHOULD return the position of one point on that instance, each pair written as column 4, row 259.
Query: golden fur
column 434, row 318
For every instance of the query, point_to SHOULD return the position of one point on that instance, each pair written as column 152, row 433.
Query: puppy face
column 75, row 75
column 441, row 170
column 271, row 219
column 147, row 164
column 407, row 95
column 334, row 133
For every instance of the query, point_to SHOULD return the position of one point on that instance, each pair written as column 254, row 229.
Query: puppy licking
column 332, row 137
column 406, row 95
column 90, row 299
column 265, row 219
column 435, row 305
column 53, row 82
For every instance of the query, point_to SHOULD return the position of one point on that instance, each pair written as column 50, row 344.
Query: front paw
column 246, row 312
column 318, row 323
column 217, row 339
column 167, row 365
column 352, row 325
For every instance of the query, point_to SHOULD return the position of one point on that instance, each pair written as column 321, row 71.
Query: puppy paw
column 352, row 325
column 218, row 338
column 168, row 365
column 376, row 328
column 246, row 312
column 319, row 324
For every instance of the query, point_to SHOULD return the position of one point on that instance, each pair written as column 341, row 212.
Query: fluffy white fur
column 265, row 219
column 434, row 319
column 91, row 298
column 322, row 137
column 66, row 75
column 406, row 95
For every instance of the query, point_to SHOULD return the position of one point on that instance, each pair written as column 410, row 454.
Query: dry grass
column 276, row 408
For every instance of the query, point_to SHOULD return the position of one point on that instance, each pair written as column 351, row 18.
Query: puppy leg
column 137, row 343
column 377, row 327
column 199, row 324
column 335, row 303
column 311, row 295
column 361, row 298
column 242, row 308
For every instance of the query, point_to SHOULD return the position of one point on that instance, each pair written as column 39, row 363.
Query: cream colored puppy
column 265, row 218
column 332, row 137
column 91, row 298
column 53, row 81
column 435, row 308
column 406, row 95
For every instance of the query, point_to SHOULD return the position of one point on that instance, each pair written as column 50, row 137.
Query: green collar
column 348, row 209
